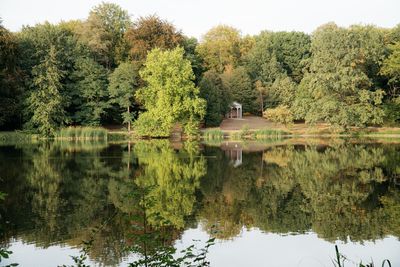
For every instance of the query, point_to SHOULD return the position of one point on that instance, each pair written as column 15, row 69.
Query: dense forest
column 110, row 70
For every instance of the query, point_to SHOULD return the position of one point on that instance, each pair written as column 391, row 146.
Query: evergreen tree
column 45, row 102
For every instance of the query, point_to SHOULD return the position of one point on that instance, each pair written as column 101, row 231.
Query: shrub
column 280, row 114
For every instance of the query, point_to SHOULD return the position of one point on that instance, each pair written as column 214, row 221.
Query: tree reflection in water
column 149, row 192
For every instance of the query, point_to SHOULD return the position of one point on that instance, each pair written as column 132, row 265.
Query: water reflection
column 144, row 195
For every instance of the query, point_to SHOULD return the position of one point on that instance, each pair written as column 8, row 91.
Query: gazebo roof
column 236, row 104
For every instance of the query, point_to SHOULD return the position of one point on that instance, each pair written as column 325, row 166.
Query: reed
column 268, row 134
column 82, row 133
column 213, row 134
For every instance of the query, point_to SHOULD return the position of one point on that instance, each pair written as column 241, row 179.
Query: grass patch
column 82, row 133
column 213, row 134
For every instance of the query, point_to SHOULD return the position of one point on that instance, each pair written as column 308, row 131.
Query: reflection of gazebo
column 235, row 156
column 236, row 111
column 234, row 152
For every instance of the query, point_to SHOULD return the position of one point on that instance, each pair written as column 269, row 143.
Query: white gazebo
column 236, row 110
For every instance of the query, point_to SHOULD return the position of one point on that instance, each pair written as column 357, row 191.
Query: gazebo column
column 237, row 113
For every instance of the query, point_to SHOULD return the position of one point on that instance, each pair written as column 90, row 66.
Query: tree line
column 108, row 70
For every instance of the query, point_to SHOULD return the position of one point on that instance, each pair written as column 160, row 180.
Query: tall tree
column 170, row 95
column 218, row 99
column 124, row 81
column 45, row 102
column 90, row 82
column 104, row 31
column 151, row 32
column 220, row 47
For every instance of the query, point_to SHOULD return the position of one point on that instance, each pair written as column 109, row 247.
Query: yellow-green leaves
column 170, row 95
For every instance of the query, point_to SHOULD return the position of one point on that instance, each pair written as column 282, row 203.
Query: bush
column 280, row 114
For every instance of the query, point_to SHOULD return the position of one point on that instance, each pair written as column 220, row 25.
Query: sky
column 196, row 17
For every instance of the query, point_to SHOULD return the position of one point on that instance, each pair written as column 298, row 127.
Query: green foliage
column 278, row 53
column 190, row 45
column 151, row 32
column 170, row 95
column 391, row 68
column 103, row 32
column 91, row 89
column 217, row 97
column 45, row 102
column 238, row 83
column 123, row 83
column 190, row 256
column 392, row 111
column 220, row 47
column 338, row 89
column 280, row 114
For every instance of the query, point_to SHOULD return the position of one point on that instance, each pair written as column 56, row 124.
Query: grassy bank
column 276, row 132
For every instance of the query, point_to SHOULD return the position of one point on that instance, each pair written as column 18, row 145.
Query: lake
column 272, row 203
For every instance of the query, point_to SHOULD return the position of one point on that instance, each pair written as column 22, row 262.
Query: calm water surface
column 284, row 203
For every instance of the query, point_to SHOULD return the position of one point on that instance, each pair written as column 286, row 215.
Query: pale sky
column 196, row 17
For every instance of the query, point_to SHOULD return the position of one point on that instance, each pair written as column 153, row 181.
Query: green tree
column 170, row 95
column 90, row 82
column 123, row 83
column 35, row 43
column 220, row 47
column 238, row 83
column 275, row 53
column 103, row 32
column 151, row 32
column 338, row 89
column 45, row 102
column 218, row 99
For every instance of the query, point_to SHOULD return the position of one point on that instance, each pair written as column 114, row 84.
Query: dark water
column 283, row 204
